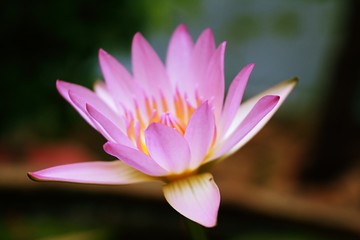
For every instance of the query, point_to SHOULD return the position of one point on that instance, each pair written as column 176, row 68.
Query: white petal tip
column 292, row 81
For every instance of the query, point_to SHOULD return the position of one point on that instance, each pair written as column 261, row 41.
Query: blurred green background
column 316, row 40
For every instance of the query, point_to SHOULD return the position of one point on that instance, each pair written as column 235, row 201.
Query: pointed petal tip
column 104, row 58
column 102, row 53
column 60, row 83
column 288, row 84
column 275, row 98
column 90, row 108
column 223, row 44
column 250, row 66
column 206, row 34
column 138, row 36
column 293, row 80
column 107, row 147
column 32, row 176
column 36, row 177
column 181, row 27
column 138, row 39
column 62, row 87
column 207, row 30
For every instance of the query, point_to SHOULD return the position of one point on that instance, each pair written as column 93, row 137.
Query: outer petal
column 199, row 133
column 196, row 197
column 148, row 70
column 65, row 87
column 167, row 147
column 178, row 58
column 81, row 104
column 120, row 83
column 233, row 98
column 135, row 159
column 83, row 95
column 282, row 90
column 251, row 121
column 111, row 173
column 108, row 128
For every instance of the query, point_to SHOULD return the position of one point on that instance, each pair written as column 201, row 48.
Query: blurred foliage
column 53, row 40
column 286, row 24
column 279, row 235
column 50, row 40
column 45, row 41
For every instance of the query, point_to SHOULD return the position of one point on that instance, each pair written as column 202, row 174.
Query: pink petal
column 83, row 95
column 178, row 58
column 167, row 147
column 65, row 87
column 203, row 50
column 112, row 173
column 282, row 90
column 213, row 86
column 81, row 104
column 257, row 113
column 108, row 128
column 135, row 159
column 149, row 72
column 196, row 197
column 234, row 97
column 120, row 83
column 199, row 133
column 102, row 91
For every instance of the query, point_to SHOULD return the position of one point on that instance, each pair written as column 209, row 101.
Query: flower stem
column 196, row 231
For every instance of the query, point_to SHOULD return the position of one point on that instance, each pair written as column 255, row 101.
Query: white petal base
column 196, row 197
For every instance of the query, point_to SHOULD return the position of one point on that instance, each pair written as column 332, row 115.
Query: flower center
column 174, row 113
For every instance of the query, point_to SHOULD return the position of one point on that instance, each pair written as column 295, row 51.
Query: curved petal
column 212, row 87
column 81, row 104
column 196, row 197
column 203, row 50
column 199, row 133
column 120, row 83
column 108, row 173
column 149, row 72
column 178, row 58
column 282, row 90
column 102, row 91
column 65, row 87
column 82, row 96
column 135, row 159
column 233, row 98
column 108, row 127
column 257, row 113
column 167, row 147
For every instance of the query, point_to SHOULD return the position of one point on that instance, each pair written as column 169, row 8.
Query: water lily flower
column 168, row 122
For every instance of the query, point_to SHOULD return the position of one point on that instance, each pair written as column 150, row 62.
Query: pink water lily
column 168, row 122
